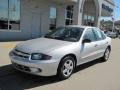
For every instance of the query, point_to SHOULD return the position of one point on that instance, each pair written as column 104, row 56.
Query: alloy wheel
column 107, row 54
column 68, row 68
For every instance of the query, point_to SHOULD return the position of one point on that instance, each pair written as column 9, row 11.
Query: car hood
column 41, row 45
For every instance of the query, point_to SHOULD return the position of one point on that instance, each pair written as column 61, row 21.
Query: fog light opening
column 36, row 70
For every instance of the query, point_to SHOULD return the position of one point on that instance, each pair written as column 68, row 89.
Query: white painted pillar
column 77, row 18
column 60, row 15
column 100, row 11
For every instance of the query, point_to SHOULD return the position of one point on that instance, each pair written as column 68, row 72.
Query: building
column 26, row 19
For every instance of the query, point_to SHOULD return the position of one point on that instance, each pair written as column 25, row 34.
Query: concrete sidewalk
column 5, row 48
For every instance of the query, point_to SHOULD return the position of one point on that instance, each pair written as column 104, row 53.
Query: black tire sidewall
column 104, row 57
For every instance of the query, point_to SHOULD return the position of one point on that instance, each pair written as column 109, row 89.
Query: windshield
column 72, row 34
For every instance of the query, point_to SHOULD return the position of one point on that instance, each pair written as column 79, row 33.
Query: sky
column 117, row 10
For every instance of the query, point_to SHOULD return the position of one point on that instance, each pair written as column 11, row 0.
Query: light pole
column 113, row 19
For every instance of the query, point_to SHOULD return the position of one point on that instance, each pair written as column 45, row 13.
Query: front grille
column 21, row 54
column 21, row 67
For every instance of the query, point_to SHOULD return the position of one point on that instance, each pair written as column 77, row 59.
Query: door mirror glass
column 86, row 41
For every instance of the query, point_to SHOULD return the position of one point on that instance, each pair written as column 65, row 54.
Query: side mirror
column 86, row 41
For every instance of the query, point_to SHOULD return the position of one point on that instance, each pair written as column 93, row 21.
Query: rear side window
column 103, row 34
column 89, row 34
column 99, row 34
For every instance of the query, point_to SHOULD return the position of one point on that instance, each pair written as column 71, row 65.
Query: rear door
column 101, row 42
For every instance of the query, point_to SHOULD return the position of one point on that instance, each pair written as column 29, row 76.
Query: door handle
column 106, row 42
column 96, row 45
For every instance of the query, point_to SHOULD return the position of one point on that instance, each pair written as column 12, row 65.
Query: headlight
column 39, row 56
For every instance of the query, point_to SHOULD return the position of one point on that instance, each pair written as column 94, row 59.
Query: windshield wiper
column 59, row 38
column 49, row 37
column 55, row 37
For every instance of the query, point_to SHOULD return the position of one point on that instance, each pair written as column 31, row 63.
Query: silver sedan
column 60, row 51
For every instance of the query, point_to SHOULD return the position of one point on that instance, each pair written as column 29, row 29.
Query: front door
column 36, row 25
column 88, row 50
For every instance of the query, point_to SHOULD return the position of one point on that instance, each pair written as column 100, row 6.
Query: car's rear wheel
column 106, row 55
column 66, row 67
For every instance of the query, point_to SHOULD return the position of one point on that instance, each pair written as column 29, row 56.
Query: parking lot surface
column 91, row 76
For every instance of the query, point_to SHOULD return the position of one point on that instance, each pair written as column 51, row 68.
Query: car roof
column 80, row 26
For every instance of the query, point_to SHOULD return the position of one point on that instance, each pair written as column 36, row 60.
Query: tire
column 106, row 55
column 66, row 68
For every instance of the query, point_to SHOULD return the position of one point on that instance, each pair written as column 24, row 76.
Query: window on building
column 53, row 17
column 14, row 14
column 89, row 20
column 10, row 14
column 4, row 14
column 69, row 15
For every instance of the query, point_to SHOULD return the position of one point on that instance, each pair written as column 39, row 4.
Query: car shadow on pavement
column 11, row 79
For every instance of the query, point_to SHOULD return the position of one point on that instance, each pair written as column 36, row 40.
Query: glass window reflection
column 10, row 14
column 14, row 14
column 3, row 14
column 53, row 17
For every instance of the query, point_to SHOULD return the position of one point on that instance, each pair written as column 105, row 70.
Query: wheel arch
column 109, row 46
column 72, row 55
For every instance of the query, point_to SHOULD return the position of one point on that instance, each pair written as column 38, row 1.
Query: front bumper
column 41, row 68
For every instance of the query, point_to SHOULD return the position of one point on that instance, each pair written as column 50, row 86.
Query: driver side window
column 99, row 34
column 89, row 34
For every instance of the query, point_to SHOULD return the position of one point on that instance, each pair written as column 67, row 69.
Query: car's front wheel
column 66, row 67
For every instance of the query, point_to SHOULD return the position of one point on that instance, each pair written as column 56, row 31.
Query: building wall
column 39, row 11
column 78, row 17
